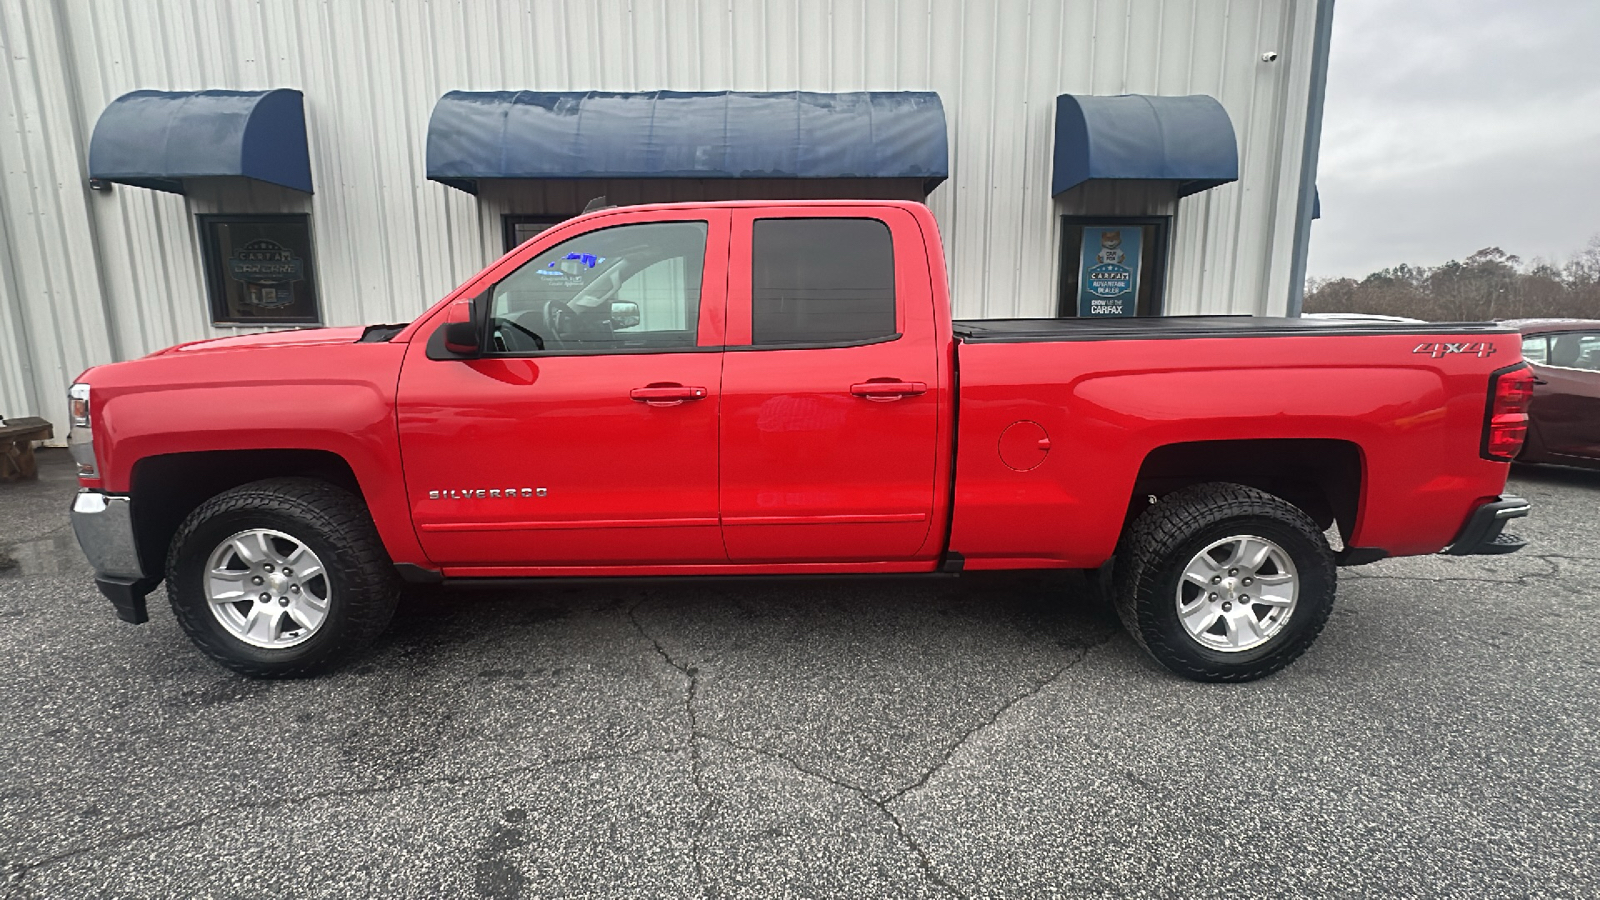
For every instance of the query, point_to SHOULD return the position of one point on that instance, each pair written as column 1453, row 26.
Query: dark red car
column 1564, row 421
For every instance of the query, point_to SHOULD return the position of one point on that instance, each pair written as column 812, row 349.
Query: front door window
column 632, row 287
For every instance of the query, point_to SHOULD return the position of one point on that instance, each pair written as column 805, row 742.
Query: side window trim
column 616, row 351
column 817, row 345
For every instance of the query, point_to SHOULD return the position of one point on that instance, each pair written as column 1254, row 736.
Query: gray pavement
column 994, row 737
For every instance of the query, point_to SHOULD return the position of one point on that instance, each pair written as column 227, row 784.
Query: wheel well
column 165, row 489
column 1322, row 477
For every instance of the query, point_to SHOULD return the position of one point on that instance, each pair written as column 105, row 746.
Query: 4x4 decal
column 1481, row 349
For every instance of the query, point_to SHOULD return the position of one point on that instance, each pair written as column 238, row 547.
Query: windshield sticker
column 572, row 267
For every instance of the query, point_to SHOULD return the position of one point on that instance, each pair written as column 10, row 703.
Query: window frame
column 212, row 262
column 715, row 241
column 510, row 221
column 1067, row 308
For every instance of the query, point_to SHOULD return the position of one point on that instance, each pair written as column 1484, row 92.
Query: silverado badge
column 486, row 494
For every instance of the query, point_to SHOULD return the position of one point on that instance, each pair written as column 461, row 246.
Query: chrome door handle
column 883, row 391
column 667, row 394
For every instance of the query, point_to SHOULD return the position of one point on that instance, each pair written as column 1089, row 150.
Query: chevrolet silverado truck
column 778, row 389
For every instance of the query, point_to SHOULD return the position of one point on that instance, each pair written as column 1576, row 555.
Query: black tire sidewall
column 1158, row 613
column 186, row 588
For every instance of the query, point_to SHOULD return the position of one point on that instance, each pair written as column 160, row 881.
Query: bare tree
column 1489, row 284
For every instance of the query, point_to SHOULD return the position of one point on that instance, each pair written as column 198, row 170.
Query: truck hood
column 300, row 338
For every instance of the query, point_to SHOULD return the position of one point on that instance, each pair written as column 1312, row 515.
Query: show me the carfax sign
column 1108, row 271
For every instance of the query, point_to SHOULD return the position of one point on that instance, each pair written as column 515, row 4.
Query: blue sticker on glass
column 556, row 269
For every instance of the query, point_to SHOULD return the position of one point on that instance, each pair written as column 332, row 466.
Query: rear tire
column 233, row 582
column 1222, row 582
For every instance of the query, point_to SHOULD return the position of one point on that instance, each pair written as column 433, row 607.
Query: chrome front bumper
column 103, row 524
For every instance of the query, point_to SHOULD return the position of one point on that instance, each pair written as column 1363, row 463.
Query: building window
column 1113, row 266
column 821, row 281
column 519, row 229
column 259, row 270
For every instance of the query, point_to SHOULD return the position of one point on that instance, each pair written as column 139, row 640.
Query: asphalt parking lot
column 972, row 738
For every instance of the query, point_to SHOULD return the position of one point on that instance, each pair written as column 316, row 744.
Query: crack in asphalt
column 17, row 870
column 709, row 802
column 1031, row 692
column 881, row 804
column 709, row 809
column 1527, row 580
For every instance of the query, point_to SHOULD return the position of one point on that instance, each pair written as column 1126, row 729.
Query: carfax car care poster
column 1108, row 273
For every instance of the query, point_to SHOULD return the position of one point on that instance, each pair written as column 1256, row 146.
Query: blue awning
column 669, row 134
column 1187, row 140
column 155, row 139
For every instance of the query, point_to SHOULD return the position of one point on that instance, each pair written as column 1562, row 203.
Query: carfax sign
column 1108, row 271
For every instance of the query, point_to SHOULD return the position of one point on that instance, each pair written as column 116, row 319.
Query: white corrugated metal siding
column 90, row 277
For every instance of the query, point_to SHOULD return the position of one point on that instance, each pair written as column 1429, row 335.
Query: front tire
column 281, row 578
column 1222, row 582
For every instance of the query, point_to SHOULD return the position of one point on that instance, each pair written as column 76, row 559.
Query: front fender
column 335, row 398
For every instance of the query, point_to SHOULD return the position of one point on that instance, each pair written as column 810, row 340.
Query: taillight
column 1505, row 425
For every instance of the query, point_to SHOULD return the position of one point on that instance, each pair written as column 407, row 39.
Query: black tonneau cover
column 1012, row 331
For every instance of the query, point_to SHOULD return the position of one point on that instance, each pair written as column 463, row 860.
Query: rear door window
column 1576, row 350
column 820, row 281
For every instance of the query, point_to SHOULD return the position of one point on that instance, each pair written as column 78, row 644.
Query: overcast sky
column 1453, row 125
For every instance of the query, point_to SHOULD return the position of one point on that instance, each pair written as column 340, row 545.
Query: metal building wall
column 90, row 277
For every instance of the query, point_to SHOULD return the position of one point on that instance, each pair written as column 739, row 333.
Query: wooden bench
column 16, row 447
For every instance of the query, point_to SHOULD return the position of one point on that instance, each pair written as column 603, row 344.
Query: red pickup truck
column 778, row 389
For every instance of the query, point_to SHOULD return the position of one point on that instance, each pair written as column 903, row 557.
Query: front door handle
column 884, row 391
column 665, row 393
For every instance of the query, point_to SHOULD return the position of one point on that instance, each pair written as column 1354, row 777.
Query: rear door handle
column 664, row 393
column 883, row 391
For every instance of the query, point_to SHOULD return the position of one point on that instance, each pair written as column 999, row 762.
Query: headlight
column 81, row 439
column 78, row 403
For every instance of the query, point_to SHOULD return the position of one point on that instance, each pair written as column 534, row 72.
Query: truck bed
column 1061, row 421
column 1018, row 331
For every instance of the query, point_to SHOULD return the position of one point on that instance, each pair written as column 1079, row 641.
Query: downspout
column 1315, row 97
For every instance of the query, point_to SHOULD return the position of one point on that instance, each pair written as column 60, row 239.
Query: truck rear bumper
column 103, row 524
column 1485, row 529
